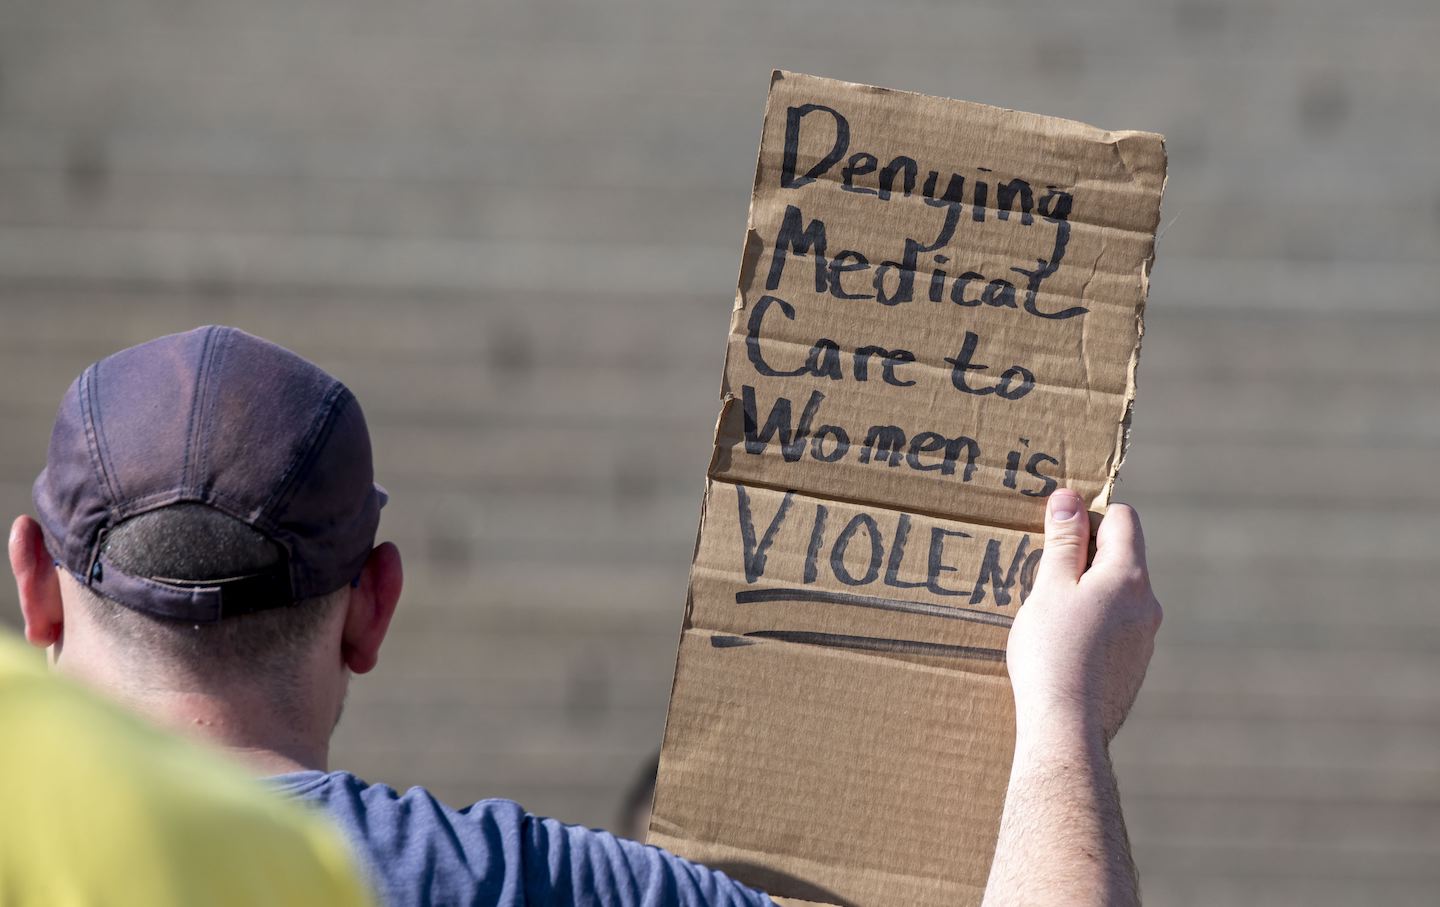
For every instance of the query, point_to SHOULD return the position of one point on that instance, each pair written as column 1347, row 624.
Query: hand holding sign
column 1079, row 648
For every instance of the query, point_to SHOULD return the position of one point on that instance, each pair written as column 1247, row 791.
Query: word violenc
column 862, row 552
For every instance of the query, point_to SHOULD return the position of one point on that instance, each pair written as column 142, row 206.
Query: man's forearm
column 1062, row 837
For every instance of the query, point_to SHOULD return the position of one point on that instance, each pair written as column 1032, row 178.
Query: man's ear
column 37, row 582
column 372, row 604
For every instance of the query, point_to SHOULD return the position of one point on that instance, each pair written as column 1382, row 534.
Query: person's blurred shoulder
column 102, row 809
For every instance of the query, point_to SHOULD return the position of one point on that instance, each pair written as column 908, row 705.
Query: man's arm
column 1077, row 655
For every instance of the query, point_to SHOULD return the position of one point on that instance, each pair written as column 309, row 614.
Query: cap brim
column 382, row 494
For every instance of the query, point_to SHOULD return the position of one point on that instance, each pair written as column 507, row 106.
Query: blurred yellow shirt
column 97, row 808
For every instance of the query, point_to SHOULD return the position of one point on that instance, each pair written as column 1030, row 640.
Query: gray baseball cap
column 214, row 416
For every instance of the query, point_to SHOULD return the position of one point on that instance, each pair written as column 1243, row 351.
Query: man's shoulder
column 318, row 785
column 422, row 850
column 380, row 813
column 419, row 849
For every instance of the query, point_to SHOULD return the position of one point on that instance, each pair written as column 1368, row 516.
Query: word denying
column 937, row 324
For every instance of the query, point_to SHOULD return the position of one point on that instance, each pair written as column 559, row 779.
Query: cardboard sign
column 937, row 325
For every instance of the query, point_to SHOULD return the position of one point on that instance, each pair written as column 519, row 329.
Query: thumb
column 1067, row 540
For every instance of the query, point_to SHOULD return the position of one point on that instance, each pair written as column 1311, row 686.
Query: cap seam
column 94, row 438
column 197, row 405
column 315, row 437
column 217, row 363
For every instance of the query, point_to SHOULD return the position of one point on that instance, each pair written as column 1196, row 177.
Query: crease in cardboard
column 742, row 304
column 844, row 645
column 882, row 645
column 946, row 612
column 947, row 669
column 751, row 593
column 1003, row 215
column 873, row 504
column 1077, row 388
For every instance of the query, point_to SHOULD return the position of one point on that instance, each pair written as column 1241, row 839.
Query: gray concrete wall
column 514, row 229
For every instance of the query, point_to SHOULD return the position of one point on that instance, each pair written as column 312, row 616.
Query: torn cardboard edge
column 1122, row 443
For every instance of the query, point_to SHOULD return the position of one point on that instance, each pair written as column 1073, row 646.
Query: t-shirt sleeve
column 568, row 864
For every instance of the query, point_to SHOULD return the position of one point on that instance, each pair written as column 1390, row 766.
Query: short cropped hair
column 195, row 543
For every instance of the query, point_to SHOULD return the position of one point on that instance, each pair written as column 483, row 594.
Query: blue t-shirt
column 422, row 852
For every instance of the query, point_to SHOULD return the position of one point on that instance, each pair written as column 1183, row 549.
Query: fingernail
column 1064, row 505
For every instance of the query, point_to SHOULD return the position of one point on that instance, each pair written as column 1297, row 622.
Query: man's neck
column 265, row 750
column 261, row 737
column 267, row 733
